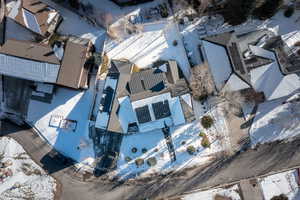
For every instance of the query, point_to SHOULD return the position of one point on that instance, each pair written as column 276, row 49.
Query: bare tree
column 201, row 82
column 231, row 101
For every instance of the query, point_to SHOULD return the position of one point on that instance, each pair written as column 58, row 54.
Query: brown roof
column 29, row 50
column 39, row 10
column 72, row 72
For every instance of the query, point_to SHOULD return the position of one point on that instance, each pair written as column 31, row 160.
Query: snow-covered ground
column 66, row 104
column 154, row 43
column 275, row 121
column 282, row 183
column 231, row 193
column 28, row 180
column 182, row 137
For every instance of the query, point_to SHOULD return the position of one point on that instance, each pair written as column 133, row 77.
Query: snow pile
column 154, row 144
column 276, row 120
column 283, row 183
column 27, row 180
column 64, row 123
column 231, row 193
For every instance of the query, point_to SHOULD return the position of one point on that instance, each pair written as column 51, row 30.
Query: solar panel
column 143, row 114
column 161, row 109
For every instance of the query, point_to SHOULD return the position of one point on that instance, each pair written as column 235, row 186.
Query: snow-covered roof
column 269, row 79
column 235, row 83
column 126, row 114
column 277, row 120
column 283, row 183
column 154, row 43
column 31, row 21
column 176, row 111
column 28, row 69
column 219, row 63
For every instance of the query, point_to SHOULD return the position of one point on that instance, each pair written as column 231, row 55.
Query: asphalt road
column 267, row 158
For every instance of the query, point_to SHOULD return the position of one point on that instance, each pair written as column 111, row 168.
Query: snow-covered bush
column 127, row 159
column 207, row 121
column 144, row 150
column 151, row 161
column 134, row 150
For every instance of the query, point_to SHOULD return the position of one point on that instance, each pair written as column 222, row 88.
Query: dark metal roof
column 236, row 58
column 152, row 79
column 143, row 114
column 161, row 109
column 2, row 31
column 229, row 41
column 256, row 61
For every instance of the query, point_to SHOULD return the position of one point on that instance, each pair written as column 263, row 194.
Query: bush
column 207, row 121
column 289, row 11
column 280, row 197
column 139, row 162
column 242, row 10
column 151, row 161
column 191, row 150
column 202, row 134
column 127, row 159
column 175, row 43
column 268, row 9
column 205, row 142
column 144, row 150
column 134, row 150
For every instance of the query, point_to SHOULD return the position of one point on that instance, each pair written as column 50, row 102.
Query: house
column 35, row 15
column 66, row 65
column 145, row 100
column 260, row 69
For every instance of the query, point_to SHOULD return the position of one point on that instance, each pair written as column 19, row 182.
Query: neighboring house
column 145, row 100
column 129, row 2
column 35, row 15
column 260, row 70
column 65, row 65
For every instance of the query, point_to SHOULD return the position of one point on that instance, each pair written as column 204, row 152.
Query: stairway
column 169, row 142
